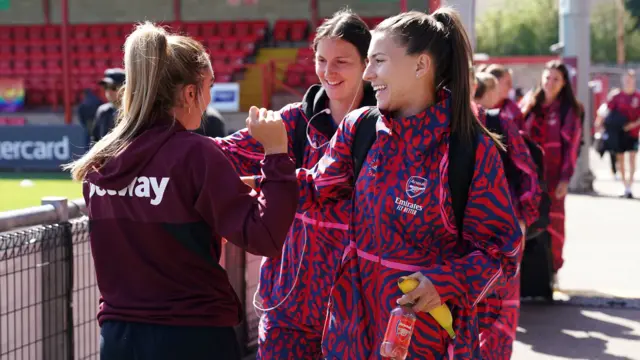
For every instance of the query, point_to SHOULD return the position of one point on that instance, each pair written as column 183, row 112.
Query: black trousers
column 121, row 340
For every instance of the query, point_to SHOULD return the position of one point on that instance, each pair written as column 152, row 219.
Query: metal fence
column 48, row 291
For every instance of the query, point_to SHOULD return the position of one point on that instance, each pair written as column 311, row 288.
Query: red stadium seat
column 299, row 30
column 192, row 29
column 208, row 30
column 20, row 33
column 259, row 28
column 225, row 29
column 281, row 31
column 97, row 32
column 53, row 66
column 6, row 68
column 36, row 32
column 37, row 67
column 5, row 32
column 242, row 28
column 305, row 55
column 80, row 31
column 21, row 67
column 112, row 32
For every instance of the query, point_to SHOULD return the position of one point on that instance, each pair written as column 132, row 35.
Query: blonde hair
column 498, row 71
column 486, row 82
column 157, row 65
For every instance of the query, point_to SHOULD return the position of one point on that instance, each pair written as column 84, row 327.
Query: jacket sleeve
column 256, row 222
column 571, row 134
column 528, row 192
column 494, row 239
column 332, row 177
column 245, row 152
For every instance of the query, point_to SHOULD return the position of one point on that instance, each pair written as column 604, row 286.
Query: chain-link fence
column 48, row 291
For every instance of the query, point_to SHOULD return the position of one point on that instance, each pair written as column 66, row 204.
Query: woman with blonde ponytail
column 161, row 198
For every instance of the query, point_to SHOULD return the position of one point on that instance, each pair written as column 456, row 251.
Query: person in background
column 509, row 109
column 552, row 119
column 294, row 288
column 599, row 125
column 106, row 115
column 403, row 222
column 627, row 102
column 497, row 341
column 213, row 123
column 161, row 198
column 87, row 112
column 518, row 95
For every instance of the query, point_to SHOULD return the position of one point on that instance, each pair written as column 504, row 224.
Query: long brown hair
column 156, row 64
column 566, row 94
column 442, row 36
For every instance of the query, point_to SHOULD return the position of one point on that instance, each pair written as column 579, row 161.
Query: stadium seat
column 208, row 30
column 192, row 29
column 5, row 32
column 6, row 68
column 230, row 44
column 21, row 67
column 53, row 66
column 36, row 32
column 79, row 31
column 97, row 32
column 298, row 30
column 281, row 31
column 259, row 28
column 51, row 32
column 243, row 28
column 310, row 79
column 305, row 55
column 225, row 29
column 20, row 33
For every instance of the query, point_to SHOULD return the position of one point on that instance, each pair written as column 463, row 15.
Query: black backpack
column 513, row 174
column 462, row 159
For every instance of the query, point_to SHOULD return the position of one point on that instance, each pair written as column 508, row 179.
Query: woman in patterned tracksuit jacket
column 403, row 218
column 508, row 108
column 295, row 287
column 560, row 138
column 497, row 341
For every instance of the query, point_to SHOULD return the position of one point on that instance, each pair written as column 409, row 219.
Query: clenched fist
column 267, row 127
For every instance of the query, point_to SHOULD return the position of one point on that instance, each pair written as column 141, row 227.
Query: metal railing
column 48, row 291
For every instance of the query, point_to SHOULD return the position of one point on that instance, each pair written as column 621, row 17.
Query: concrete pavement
column 598, row 316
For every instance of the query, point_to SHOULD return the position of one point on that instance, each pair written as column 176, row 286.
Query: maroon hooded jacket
column 157, row 214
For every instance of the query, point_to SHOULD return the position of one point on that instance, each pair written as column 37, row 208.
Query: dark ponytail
column 443, row 37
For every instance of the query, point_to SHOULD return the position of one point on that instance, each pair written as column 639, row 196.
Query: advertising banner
column 40, row 147
column 226, row 97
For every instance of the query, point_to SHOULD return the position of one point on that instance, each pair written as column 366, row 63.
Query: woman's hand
column 562, row 189
column 249, row 180
column 424, row 298
column 268, row 128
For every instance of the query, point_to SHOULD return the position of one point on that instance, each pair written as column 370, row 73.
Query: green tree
column 633, row 7
column 519, row 28
column 530, row 28
column 604, row 28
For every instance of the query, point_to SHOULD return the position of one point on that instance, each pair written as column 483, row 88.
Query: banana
column 441, row 314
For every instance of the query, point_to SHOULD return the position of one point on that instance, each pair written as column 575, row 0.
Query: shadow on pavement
column 579, row 333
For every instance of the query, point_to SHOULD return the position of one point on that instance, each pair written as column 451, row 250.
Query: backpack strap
column 462, row 159
column 493, row 121
column 462, row 162
column 364, row 136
